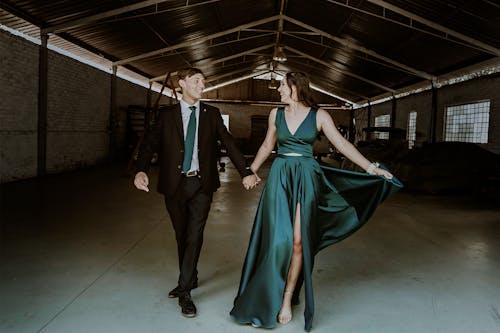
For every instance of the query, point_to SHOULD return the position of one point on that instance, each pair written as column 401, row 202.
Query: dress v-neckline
column 300, row 125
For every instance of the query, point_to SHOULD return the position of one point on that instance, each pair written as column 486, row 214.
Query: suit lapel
column 202, row 123
column 178, row 122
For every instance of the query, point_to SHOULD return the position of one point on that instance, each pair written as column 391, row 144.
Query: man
column 185, row 137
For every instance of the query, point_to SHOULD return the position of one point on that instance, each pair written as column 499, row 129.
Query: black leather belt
column 192, row 173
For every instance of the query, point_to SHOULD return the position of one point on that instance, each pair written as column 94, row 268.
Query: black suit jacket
column 166, row 137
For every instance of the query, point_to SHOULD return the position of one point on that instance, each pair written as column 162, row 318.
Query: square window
column 382, row 121
column 467, row 122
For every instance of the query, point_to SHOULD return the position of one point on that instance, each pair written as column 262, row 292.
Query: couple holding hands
column 304, row 207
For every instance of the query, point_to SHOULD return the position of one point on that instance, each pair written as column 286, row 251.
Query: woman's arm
column 328, row 127
column 268, row 145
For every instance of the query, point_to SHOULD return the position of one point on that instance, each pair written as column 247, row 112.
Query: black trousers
column 188, row 209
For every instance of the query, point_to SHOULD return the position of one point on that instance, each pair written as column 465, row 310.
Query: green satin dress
column 334, row 203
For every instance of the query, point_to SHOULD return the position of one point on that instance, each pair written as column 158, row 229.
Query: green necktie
column 189, row 142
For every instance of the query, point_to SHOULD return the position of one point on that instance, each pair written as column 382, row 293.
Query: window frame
column 411, row 141
column 463, row 137
column 385, row 135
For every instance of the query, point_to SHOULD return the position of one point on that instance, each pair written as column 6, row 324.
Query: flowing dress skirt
column 333, row 204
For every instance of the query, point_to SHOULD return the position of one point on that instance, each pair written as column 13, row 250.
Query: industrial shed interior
column 413, row 84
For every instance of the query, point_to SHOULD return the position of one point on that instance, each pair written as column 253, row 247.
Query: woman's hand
column 382, row 172
column 250, row 182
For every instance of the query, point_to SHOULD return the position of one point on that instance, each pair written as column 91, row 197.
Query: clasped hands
column 250, row 182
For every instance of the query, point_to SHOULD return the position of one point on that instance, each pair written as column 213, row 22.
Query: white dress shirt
column 186, row 113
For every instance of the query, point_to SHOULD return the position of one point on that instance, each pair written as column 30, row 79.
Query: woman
column 303, row 208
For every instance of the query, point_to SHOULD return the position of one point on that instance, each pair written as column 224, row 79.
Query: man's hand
column 250, row 182
column 141, row 181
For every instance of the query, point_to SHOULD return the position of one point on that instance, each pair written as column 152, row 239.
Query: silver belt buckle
column 192, row 173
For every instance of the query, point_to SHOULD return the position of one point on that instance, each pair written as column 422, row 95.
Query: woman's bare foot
column 285, row 313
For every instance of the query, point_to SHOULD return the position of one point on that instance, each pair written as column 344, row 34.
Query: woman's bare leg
column 285, row 313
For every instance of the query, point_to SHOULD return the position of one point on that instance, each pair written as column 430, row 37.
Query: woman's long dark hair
column 301, row 83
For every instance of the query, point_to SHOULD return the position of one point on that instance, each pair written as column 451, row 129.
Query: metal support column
column 149, row 96
column 393, row 112
column 149, row 106
column 369, row 120
column 369, row 115
column 352, row 126
column 42, row 106
column 432, row 127
column 113, row 121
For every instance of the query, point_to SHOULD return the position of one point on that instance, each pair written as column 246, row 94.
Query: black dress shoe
column 188, row 309
column 174, row 293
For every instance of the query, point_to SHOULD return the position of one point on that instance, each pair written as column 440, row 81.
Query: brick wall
column 78, row 110
column 484, row 88
column 240, row 116
column 18, row 107
column 77, row 114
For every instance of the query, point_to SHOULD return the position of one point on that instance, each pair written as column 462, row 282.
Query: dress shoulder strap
column 314, row 117
column 279, row 116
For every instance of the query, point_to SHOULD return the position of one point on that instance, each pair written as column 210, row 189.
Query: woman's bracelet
column 372, row 167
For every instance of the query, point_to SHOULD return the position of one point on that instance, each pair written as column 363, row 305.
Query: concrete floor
column 86, row 252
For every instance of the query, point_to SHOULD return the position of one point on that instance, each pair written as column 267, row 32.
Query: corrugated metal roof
column 356, row 49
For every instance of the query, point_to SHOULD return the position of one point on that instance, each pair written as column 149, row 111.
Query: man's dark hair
column 188, row 72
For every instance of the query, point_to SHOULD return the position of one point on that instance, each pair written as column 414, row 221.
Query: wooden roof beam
column 161, row 77
column 110, row 13
column 196, row 41
column 410, row 25
column 326, row 64
column 354, row 46
column 241, row 70
column 488, row 48
column 233, row 81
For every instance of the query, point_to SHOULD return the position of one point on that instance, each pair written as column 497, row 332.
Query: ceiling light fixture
column 279, row 54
